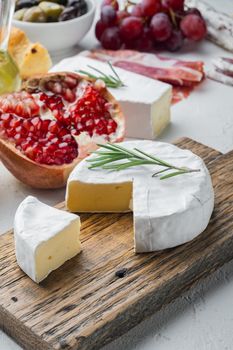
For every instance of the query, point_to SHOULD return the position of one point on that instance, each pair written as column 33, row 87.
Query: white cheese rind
column 168, row 212
column 35, row 225
column 145, row 102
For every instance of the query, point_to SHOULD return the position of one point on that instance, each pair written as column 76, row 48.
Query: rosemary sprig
column 112, row 155
column 112, row 81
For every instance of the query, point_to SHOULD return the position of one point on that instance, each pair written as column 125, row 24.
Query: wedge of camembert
column 45, row 237
column 166, row 213
column 145, row 102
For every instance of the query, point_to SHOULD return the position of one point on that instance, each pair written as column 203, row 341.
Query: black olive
column 68, row 13
column 82, row 10
column 80, row 5
column 74, row 2
column 20, row 4
column 62, row 2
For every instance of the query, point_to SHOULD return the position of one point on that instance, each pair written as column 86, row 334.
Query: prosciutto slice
column 182, row 75
column 174, row 72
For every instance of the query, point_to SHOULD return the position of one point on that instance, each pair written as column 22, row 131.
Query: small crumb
column 49, row 258
column 121, row 273
column 14, row 299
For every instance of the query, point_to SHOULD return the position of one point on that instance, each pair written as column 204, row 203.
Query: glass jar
column 9, row 73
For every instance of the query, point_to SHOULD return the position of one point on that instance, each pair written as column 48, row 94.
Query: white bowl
column 59, row 36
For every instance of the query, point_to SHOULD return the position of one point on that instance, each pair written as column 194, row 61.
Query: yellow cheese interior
column 82, row 197
column 53, row 253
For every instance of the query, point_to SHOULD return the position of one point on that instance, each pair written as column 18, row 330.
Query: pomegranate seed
column 14, row 123
column 18, row 139
column 27, row 124
column 53, row 127
column 6, row 119
column 45, row 125
column 71, row 82
column 21, row 130
column 62, row 132
column 50, row 85
column 37, row 123
column 57, row 88
column 67, row 137
column 54, row 140
column 88, row 110
column 20, row 103
column 10, row 133
column 69, row 95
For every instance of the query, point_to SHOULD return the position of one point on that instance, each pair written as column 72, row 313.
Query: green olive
column 34, row 14
column 51, row 10
column 18, row 15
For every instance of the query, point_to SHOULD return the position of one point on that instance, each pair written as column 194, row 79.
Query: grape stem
column 173, row 17
column 129, row 3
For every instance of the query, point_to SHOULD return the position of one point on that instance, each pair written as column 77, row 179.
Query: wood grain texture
column 83, row 305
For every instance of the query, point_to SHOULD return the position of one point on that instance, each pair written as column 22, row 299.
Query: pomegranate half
column 53, row 123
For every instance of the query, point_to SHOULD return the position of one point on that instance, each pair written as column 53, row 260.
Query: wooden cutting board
column 84, row 305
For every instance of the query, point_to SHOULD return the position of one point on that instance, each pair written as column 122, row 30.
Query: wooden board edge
column 19, row 332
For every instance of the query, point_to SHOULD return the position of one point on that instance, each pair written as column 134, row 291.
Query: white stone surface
column 203, row 318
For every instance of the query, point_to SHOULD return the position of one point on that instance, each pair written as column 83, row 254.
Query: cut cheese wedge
column 166, row 213
column 45, row 238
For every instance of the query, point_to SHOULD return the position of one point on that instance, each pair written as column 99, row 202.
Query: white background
column 203, row 318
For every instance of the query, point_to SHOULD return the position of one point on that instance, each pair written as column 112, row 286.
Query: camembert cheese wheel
column 166, row 213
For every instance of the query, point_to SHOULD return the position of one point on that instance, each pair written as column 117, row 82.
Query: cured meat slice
column 182, row 75
column 174, row 72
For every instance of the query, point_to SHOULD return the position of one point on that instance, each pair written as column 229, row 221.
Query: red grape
column 112, row 3
column 99, row 29
column 148, row 24
column 175, row 42
column 130, row 44
column 121, row 15
column 193, row 27
column 161, row 27
column 137, row 11
column 175, row 5
column 108, row 16
column 131, row 28
column 145, row 42
column 110, row 39
column 150, row 7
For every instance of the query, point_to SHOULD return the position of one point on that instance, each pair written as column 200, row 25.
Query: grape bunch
column 148, row 25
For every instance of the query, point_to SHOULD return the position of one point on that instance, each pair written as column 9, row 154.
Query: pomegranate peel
column 31, row 173
column 53, row 123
